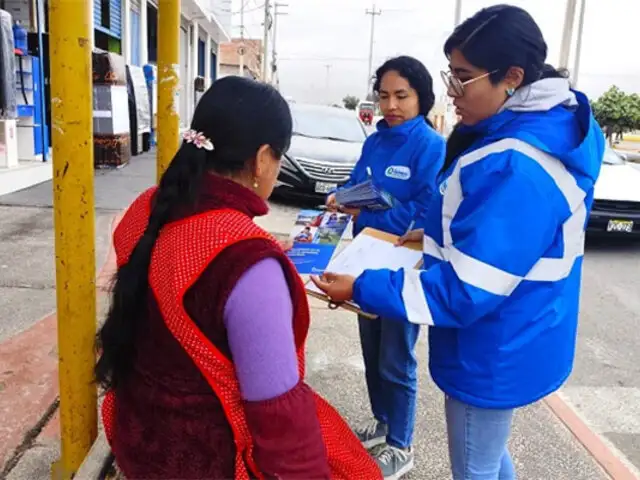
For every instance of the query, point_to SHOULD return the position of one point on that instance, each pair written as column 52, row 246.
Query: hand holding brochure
column 371, row 250
column 364, row 195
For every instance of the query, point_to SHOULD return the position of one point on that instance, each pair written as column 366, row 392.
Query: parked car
column 325, row 146
column 616, row 205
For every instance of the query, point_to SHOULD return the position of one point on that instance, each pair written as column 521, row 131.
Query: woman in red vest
column 203, row 346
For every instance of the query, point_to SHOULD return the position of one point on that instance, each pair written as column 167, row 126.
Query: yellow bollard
column 168, row 82
column 73, row 201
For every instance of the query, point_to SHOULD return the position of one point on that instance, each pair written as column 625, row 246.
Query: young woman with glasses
column 503, row 239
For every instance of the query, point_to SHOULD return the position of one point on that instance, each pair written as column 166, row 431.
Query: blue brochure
column 315, row 237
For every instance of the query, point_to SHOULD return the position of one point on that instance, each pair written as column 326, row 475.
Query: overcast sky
column 335, row 33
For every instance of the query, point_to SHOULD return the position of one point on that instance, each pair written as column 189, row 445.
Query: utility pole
column 457, row 18
column 274, row 53
column 374, row 13
column 576, row 64
column 567, row 33
column 241, row 48
column 73, row 211
column 265, row 40
column 168, row 83
column 327, row 86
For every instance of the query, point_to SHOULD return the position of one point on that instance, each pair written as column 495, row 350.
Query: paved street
column 604, row 389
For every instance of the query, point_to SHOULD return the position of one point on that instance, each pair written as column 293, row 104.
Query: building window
column 105, row 14
column 152, row 33
column 214, row 66
column 200, row 58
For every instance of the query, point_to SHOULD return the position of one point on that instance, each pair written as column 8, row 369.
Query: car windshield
column 612, row 158
column 326, row 124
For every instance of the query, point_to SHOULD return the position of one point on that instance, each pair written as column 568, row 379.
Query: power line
column 325, row 59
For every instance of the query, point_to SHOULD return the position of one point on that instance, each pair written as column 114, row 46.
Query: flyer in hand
column 364, row 195
column 315, row 237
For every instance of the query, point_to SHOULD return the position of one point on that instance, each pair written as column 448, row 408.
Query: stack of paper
column 364, row 195
column 371, row 250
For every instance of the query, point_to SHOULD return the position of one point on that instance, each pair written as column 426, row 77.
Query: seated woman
column 203, row 345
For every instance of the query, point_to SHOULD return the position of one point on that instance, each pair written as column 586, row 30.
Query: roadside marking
column 610, row 459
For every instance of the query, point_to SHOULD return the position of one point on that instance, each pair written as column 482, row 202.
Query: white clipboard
column 372, row 249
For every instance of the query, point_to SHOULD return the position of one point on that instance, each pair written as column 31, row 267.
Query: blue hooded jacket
column 503, row 249
column 403, row 160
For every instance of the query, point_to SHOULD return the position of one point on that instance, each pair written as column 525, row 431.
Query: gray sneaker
column 393, row 462
column 371, row 433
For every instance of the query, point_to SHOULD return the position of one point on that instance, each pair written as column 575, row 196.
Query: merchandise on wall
column 151, row 76
column 111, row 130
column 139, row 112
column 8, row 101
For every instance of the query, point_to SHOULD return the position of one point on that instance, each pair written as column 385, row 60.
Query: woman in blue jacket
column 402, row 157
column 503, row 239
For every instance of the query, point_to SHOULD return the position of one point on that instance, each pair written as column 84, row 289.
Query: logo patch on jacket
column 399, row 172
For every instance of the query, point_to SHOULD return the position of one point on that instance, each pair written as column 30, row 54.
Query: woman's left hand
column 339, row 288
column 354, row 212
column 286, row 245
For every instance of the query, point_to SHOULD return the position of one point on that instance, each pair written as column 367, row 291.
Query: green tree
column 617, row 112
column 350, row 102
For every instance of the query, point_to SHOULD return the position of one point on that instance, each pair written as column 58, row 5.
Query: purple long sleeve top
column 258, row 316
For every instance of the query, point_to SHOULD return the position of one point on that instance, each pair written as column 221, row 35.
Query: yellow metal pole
column 168, row 82
column 73, row 202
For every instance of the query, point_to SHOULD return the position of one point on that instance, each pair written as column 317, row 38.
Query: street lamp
column 576, row 64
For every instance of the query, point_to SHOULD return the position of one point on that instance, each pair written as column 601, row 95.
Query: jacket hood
column 541, row 96
column 556, row 119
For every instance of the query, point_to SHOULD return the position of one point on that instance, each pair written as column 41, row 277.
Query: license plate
column 324, row 187
column 620, row 226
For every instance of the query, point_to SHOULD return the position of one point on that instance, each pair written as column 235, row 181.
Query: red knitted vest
column 182, row 252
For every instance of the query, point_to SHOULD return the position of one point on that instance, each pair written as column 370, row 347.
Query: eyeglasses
column 455, row 86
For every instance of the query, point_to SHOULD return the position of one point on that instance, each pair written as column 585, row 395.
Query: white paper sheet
column 369, row 253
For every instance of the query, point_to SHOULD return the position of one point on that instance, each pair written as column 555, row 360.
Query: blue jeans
column 390, row 369
column 478, row 442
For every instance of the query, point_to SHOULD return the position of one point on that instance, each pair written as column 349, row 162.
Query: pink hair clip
column 198, row 139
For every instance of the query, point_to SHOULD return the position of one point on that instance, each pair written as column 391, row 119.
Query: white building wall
column 125, row 41
column 206, row 19
column 144, row 51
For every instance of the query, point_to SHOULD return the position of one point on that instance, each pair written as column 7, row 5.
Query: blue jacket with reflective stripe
column 404, row 161
column 504, row 241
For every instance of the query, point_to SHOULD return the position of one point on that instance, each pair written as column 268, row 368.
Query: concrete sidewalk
column 543, row 448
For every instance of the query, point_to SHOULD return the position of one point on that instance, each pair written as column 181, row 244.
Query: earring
column 255, row 184
column 511, row 92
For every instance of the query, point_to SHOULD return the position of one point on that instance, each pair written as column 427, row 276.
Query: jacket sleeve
column 426, row 167
column 500, row 231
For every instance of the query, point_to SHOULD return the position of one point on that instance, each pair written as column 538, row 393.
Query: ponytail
column 457, row 143
column 179, row 186
column 429, row 122
column 549, row 71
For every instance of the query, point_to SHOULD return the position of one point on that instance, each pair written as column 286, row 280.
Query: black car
column 325, row 146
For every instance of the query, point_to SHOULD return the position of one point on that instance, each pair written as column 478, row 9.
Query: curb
column 590, row 440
